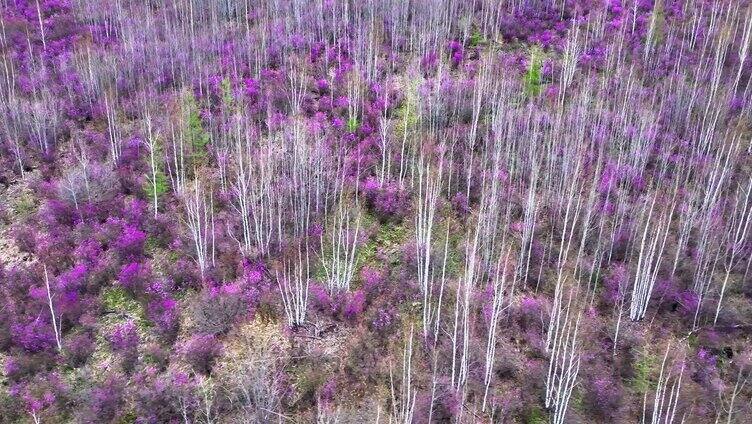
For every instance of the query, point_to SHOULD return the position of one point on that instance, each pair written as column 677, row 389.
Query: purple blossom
column 385, row 318
column 389, row 200
column 201, row 351
column 34, row 336
column 125, row 338
column 355, row 305
column 461, row 203
column 133, row 276
column 130, row 244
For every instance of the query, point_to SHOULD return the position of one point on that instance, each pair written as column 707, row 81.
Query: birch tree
column 55, row 326
column 462, row 313
column 200, row 221
column 736, row 237
column 563, row 363
column 340, row 246
column 650, row 256
column 403, row 398
column 429, row 189
column 156, row 179
column 293, row 285
column 667, row 392
column 497, row 307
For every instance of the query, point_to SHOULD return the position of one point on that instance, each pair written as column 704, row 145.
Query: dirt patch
column 10, row 255
column 18, row 204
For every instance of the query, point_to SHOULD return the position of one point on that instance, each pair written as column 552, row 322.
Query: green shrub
column 533, row 79
column 535, row 415
column 116, row 299
column 352, row 124
column 476, row 39
column 158, row 180
column 197, row 137
column 643, row 370
column 24, row 205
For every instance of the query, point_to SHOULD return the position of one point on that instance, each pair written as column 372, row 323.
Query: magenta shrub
column 78, row 349
column 446, row 403
column 164, row 313
column 461, row 204
column 130, row 243
column 125, row 337
column 320, row 297
column 33, row 336
column 89, row 252
column 388, row 201
column 25, row 238
column 200, row 352
column 530, row 313
column 185, row 273
column 373, row 280
column 384, row 320
column 604, row 396
column 456, row 52
column 615, row 284
column 328, row 392
column 356, row 304
column 134, row 276
column 157, row 397
column 105, row 401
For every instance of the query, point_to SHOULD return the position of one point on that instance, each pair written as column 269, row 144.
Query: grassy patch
column 535, row 415
column 407, row 118
column 387, row 239
column 455, row 256
column 308, row 378
column 476, row 39
column 197, row 137
column 117, row 300
column 9, row 409
column 352, row 124
column 578, row 400
column 151, row 246
column 227, row 96
column 24, row 205
column 156, row 183
column 643, row 369
column 533, row 79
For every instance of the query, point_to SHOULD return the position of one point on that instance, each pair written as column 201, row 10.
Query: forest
column 375, row 211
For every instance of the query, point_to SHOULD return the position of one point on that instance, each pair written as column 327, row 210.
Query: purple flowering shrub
column 384, row 320
column 161, row 308
column 460, row 203
column 615, row 285
column 134, row 276
column 355, row 305
column 443, row 405
column 105, row 401
column 159, row 397
column 41, row 396
column 33, row 336
column 373, row 280
column 130, row 243
column 78, row 348
column 124, row 341
column 201, row 351
column 217, row 309
column 320, row 298
column 25, row 238
column 603, row 396
column 389, row 201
